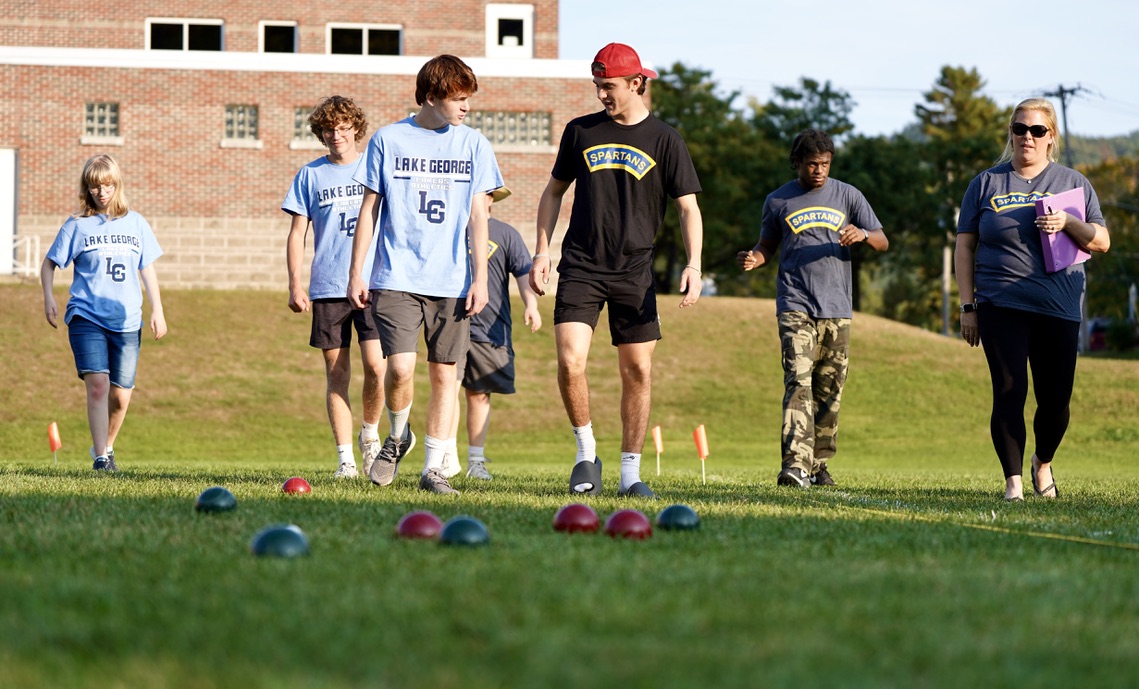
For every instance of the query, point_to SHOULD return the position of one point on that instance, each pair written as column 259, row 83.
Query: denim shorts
column 98, row 350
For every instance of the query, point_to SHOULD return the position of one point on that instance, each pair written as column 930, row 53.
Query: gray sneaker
column 476, row 468
column 435, row 482
column 384, row 469
column 345, row 470
column 369, row 450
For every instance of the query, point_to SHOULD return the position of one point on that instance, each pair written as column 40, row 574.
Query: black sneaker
column 793, row 477
column 822, row 477
column 106, row 463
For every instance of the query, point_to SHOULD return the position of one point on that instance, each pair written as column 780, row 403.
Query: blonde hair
column 1041, row 105
column 99, row 170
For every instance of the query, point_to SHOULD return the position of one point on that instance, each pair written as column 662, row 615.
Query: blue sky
column 885, row 54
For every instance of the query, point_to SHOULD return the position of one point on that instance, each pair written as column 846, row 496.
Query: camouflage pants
column 814, row 371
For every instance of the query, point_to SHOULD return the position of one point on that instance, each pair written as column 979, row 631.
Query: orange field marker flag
column 53, row 440
column 659, row 445
column 701, row 439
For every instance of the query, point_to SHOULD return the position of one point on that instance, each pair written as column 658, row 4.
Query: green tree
column 965, row 133
column 896, row 178
column 810, row 105
column 731, row 159
column 1110, row 275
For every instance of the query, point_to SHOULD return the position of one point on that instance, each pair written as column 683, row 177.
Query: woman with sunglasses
column 113, row 249
column 1022, row 314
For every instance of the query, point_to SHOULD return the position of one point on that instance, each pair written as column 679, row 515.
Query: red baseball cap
column 619, row 60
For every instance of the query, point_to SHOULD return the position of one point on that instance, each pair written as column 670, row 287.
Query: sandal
column 1036, row 488
column 586, row 472
column 637, row 490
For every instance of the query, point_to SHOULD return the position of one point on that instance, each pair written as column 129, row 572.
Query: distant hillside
column 1089, row 150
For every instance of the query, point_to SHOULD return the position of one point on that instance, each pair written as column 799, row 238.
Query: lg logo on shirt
column 117, row 271
column 434, row 211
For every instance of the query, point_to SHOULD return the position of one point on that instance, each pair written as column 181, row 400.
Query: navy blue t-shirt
column 814, row 268
column 1000, row 207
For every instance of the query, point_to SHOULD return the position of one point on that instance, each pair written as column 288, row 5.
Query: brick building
column 203, row 104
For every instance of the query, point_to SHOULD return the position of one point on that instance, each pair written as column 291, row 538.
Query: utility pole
column 1063, row 93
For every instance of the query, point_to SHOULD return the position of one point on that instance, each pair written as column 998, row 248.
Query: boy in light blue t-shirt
column 427, row 169
column 325, row 194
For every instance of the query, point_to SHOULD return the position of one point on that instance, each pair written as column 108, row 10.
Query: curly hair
column 810, row 142
column 336, row 110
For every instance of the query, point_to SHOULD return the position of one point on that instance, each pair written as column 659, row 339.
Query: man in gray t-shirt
column 816, row 220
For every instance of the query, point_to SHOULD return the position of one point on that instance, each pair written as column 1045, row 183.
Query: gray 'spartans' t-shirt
column 1000, row 206
column 814, row 269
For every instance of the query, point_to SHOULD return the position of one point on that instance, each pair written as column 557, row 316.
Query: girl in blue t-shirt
column 113, row 249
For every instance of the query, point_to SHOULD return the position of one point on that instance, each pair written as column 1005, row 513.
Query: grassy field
column 911, row 573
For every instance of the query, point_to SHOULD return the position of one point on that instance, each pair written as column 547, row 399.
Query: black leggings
column 1012, row 339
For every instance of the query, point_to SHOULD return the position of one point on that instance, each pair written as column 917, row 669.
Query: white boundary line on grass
column 998, row 529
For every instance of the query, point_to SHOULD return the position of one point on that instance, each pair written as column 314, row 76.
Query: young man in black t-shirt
column 626, row 164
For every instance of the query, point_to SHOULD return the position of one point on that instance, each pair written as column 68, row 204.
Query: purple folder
column 1060, row 250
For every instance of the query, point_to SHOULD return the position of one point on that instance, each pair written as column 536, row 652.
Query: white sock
column 630, row 470
column 345, row 454
column 586, row 445
column 370, row 431
column 398, row 421
column 433, row 451
column 453, row 446
column 474, row 454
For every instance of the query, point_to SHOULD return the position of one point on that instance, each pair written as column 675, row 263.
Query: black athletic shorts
column 333, row 320
column 632, row 302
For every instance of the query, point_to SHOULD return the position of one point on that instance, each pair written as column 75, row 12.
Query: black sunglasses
column 1020, row 129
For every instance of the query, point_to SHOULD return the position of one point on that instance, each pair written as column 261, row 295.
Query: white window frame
column 497, row 11
column 363, row 29
column 261, row 25
column 185, row 22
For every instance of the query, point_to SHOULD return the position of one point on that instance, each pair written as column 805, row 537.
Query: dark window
column 280, row 39
column 166, row 37
column 347, row 42
column 383, row 42
column 510, row 29
column 205, row 37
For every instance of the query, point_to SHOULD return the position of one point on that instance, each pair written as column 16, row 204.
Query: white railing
column 29, row 263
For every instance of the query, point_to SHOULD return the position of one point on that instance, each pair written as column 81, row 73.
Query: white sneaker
column 451, row 466
column 345, row 470
column 476, row 468
column 369, row 450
